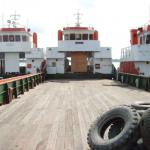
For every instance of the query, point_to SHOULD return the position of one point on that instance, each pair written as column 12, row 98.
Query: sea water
column 116, row 64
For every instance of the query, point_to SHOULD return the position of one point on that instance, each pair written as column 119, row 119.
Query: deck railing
column 138, row 81
column 125, row 52
column 12, row 87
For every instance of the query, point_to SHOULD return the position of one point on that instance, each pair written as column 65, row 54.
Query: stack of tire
column 125, row 127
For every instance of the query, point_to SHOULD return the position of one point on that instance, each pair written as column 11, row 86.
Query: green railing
column 12, row 87
column 138, row 81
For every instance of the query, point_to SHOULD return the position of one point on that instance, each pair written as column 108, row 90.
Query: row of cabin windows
column 21, row 55
column 13, row 38
column 148, row 39
column 145, row 39
column 78, row 36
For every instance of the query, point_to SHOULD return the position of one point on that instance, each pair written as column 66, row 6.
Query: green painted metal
column 135, row 80
column 18, row 85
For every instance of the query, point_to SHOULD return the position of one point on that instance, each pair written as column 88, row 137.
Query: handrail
column 3, row 81
column 125, row 51
column 134, row 75
column 12, row 87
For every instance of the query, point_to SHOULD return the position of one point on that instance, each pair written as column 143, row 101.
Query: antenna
column 2, row 20
column 13, row 20
column 78, row 19
column 149, row 14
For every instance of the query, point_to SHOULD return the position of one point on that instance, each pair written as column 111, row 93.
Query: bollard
column 10, row 94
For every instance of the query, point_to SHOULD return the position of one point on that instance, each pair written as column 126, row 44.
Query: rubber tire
column 113, row 131
column 139, row 147
column 131, row 119
column 145, row 128
column 141, row 105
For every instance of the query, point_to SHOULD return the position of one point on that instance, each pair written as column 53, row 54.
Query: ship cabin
column 135, row 59
column 15, row 43
column 78, row 51
column 36, row 61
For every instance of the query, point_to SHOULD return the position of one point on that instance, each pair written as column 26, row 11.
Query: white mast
column 149, row 15
column 2, row 20
column 13, row 20
column 78, row 23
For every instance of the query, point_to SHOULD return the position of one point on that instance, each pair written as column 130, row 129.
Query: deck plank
column 57, row 114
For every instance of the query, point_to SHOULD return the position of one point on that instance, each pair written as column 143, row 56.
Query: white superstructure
column 34, row 60
column 136, row 58
column 15, row 42
column 78, row 51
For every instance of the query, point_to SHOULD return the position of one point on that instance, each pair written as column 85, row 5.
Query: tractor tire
column 141, row 105
column 116, row 128
column 125, row 114
column 139, row 147
column 145, row 128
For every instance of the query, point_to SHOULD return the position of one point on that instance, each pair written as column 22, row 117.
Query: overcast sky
column 112, row 18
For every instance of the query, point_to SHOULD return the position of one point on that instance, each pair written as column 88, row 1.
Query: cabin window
column 78, row 36
column 5, row 38
column 53, row 64
column 24, row 38
column 144, row 39
column 1, row 39
column 85, row 36
column 2, row 55
column 66, row 36
column 72, row 36
column 91, row 36
column 11, row 38
column 22, row 55
column 148, row 39
column 17, row 38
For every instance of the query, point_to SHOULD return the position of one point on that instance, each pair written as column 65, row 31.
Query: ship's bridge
column 15, row 40
column 78, row 39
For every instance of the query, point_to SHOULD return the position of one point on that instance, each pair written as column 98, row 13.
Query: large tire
column 139, row 147
column 116, row 128
column 145, row 128
column 141, row 105
column 96, row 133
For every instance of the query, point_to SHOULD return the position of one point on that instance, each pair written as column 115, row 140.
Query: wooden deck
column 56, row 115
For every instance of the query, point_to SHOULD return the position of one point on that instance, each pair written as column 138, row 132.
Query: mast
column 13, row 20
column 78, row 23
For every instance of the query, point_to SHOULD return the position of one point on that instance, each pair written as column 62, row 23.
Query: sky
column 112, row 18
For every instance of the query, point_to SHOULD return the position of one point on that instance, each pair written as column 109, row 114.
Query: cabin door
column 79, row 62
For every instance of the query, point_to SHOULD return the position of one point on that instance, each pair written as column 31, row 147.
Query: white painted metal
column 15, row 47
column 35, row 53
column 78, row 45
column 105, row 65
column 104, row 52
column 55, row 61
column 79, row 31
column 11, row 62
column 144, row 68
column 101, row 55
column 52, row 52
column 35, row 58
column 55, row 66
column 20, row 46
column 136, row 53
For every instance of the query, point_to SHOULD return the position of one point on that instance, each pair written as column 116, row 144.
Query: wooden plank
column 78, row 62
column 57, row 115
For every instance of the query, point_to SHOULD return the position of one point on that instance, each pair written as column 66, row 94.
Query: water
column 116, row 64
